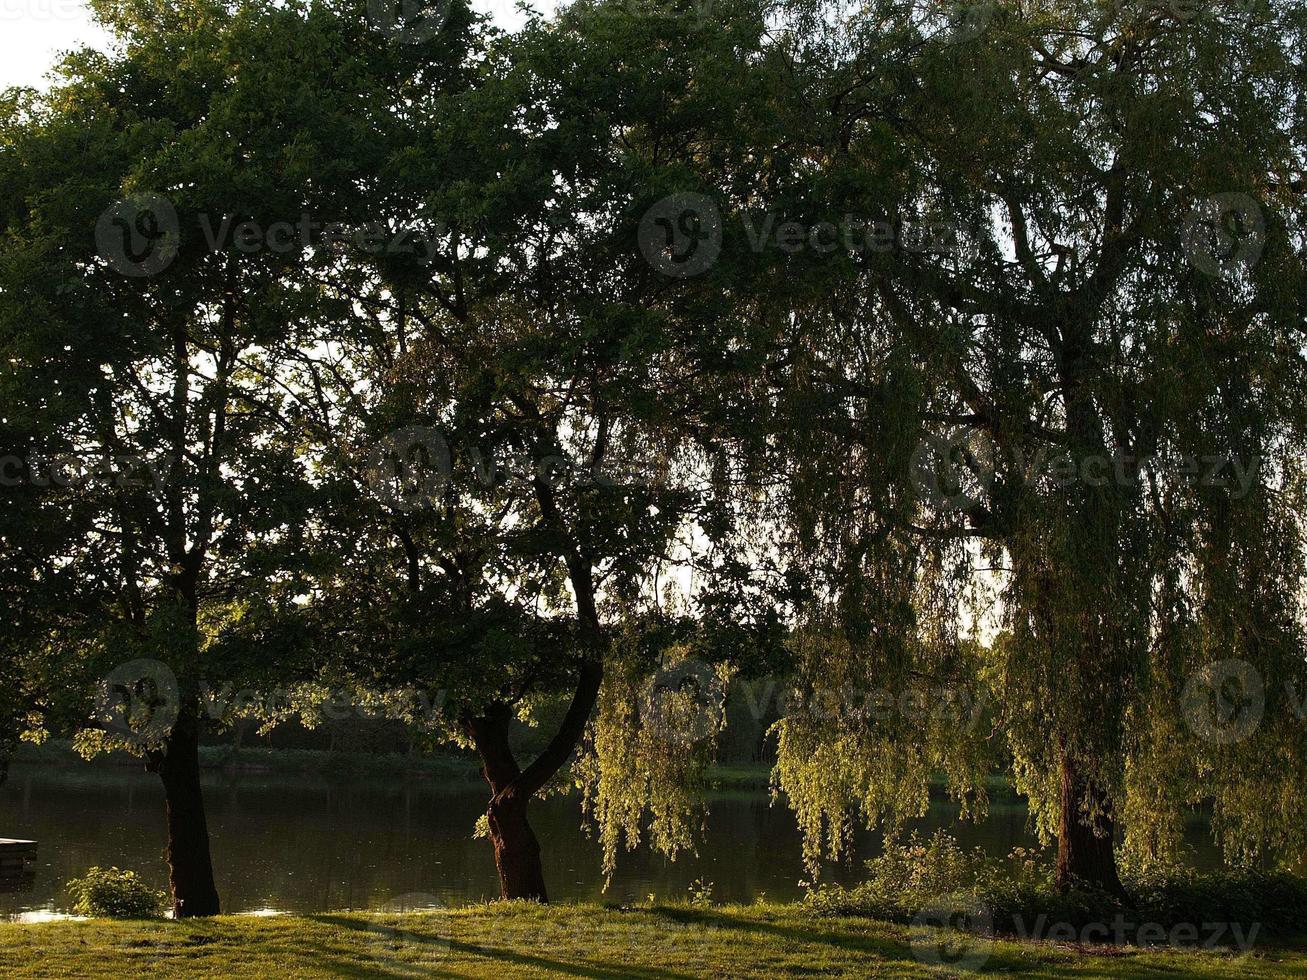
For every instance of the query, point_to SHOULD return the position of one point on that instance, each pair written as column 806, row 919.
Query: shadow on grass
column 1014, row 955
column 596, row 971
column 815, row 933
column 883, row 951
column 889, row 951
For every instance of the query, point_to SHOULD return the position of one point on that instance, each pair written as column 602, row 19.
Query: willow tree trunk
column 1086, row 853
column 190, row 865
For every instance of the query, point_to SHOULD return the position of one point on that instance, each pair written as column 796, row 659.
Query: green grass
column 516, row 940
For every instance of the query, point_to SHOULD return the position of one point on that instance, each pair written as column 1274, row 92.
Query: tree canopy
column 943, row 367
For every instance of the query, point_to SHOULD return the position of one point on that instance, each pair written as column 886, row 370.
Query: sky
column 34, row 32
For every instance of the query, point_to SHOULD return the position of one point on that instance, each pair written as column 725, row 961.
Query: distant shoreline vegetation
column 722, row 777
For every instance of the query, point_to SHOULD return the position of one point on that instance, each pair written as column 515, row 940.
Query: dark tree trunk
column 517, row 852
column 190, row 866
column 1086, row 853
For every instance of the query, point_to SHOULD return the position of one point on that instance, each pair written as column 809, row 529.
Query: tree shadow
column 889, row 951
column 813, row 934
column 595, row 971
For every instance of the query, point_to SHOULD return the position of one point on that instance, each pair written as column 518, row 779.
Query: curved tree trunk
column 1086, row 852
column 517, row 851
column 190, row 866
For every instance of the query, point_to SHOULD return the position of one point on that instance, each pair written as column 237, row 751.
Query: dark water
column 312, row 844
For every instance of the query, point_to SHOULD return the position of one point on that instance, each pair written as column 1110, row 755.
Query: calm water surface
column 310, row 844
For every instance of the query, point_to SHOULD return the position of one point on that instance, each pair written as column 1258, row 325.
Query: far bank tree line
column 733, row 455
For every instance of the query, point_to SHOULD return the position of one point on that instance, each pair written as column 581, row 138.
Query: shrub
column 1178, row 894
column 114, row 894
column 1018, row 891
column 701, row 893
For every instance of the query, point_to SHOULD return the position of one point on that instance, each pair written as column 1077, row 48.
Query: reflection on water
column 45, row 915
column 313, row 843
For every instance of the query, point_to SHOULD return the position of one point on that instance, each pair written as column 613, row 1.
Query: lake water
column 310, row 844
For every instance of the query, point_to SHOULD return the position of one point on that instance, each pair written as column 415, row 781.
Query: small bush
column 701, row 893
column 115, row 894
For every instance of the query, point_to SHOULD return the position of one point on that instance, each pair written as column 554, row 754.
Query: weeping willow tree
column 819, row 405
column 805, row 415
column 1108, row 438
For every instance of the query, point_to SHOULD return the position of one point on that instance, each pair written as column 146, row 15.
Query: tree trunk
column 190, row 866
column 1085, row 843
column 517, row 852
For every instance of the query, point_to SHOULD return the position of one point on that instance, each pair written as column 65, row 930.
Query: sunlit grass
column 517, row 940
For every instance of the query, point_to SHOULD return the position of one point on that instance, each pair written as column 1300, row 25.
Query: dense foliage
column 1018, row 895
column 115, row 894
column 947, row 370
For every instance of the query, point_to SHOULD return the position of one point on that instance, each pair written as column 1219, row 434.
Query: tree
column 150, row 298
column 508, row 426
column 1119, row 318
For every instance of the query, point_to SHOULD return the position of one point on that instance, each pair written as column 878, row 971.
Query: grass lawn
column 516, row 940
